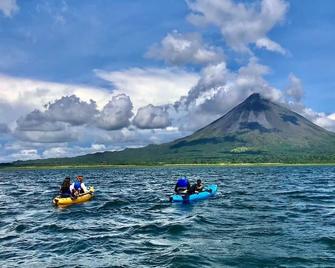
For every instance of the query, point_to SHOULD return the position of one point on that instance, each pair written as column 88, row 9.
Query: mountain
column 256, row 130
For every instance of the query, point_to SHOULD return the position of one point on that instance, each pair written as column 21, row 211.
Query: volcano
column 256, row 130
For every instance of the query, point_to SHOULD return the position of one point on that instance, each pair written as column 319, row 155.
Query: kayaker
column 75, row 189
column 79, row 185
column 65, row 188
column 182, row 186
column 197, row 187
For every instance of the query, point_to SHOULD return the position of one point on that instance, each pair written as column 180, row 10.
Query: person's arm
column 83, row 187
column 175, row 188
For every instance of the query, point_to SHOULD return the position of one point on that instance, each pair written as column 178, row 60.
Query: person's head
column 198, row 182
column 80, row 178
column 67, row 181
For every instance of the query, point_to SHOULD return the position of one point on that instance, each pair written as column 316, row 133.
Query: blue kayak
column 208, row 192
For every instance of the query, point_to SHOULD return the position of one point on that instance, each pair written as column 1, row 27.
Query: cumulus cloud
column 8, row 7
column 34, row 94
column 60, row 120
column 68, row 109
column 241, row 24
column 150, row 85
column 116, row 113
column 295, row 88
column 150, row 117
column 72, row 110
column 180, row 49
column 38, row 121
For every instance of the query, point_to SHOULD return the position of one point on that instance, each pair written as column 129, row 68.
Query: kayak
column 208, row 192
column 66, row 201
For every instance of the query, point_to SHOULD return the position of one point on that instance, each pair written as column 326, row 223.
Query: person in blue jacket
column 65, row 188
column 182, row 186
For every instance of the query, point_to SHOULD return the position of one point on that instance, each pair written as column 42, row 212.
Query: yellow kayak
column 66, row 201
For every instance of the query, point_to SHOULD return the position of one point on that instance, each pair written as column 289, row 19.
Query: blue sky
column 126, row 56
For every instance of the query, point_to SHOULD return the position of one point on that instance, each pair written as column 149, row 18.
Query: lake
column 260, row 217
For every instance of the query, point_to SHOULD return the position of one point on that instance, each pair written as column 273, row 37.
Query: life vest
column 77, row 185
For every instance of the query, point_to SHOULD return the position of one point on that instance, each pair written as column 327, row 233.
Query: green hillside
column 255, row 131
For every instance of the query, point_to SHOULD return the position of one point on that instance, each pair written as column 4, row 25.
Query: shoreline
column 165, row 165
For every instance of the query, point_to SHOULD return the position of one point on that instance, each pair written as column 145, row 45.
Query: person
column 65, row 188
column 182, row 186
column 78, row 187
column 197, row 187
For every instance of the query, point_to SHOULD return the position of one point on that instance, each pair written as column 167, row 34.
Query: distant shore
column 165, row 165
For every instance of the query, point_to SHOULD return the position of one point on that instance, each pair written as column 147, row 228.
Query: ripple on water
column 261, row 217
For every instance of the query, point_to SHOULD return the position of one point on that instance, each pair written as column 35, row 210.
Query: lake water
column 261, row 217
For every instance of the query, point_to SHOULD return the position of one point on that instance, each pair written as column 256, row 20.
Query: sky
column 79, row 77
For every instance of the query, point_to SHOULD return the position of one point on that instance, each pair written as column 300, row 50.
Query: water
column 261, row 217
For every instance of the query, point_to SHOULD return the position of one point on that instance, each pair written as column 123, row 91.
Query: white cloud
column 61, row 136
column 151, row 85
column 270, row 45
column 8, row 7
column 241, row 24
column 18, row 96
column 65, row 151
column 327, row 122
column 180, row 49
column 25, row 155
column 294, row 89
column 150, row 117
column 116, row 113
column 70, row 109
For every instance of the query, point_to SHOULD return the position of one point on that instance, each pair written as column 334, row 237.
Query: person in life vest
column 182, row 186
column 197, row 187
column 65, row 188
column 78, row 187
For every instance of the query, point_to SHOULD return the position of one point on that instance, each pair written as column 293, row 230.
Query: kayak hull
column 208, row 192
column 66, row 201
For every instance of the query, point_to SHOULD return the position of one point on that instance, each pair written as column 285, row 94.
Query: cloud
column 241, row 24
column 150, row 85
column 4, row 129
column 219, row 90
column 294, row 89
column 72, row 110
column 327, row 122
column 25, row 155
column 319, row 118
column 8, row 7
column 60, row 120
column 59, row 136
column 28, row 94
column 65, row 151
column 116, row 113
column 150, row 117
column 38, row 121
column 270, row 45
column 180, row 49
column 68, row 109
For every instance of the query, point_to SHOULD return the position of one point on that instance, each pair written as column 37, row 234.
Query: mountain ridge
column 256, row 131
